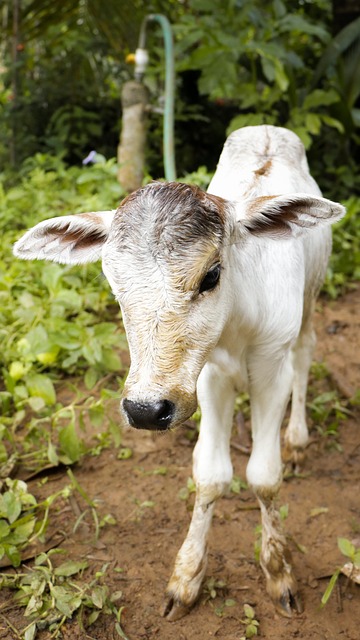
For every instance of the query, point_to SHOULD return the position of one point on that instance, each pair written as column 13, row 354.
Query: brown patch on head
column 171, row 215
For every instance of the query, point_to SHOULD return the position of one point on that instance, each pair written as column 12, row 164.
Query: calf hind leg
column 269, row 396
column 212, row 473
column 297, row 435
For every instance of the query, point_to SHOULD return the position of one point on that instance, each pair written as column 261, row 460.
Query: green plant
column 213, row 589
column 353, row 554
column 344, row 266
column 250, row 621
column 327, row 411
column 185, row 492
column 55, row 322
column 51, row 595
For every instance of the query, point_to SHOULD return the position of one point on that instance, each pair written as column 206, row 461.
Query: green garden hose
column 168, row 132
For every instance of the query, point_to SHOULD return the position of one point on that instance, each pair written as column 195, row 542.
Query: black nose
column 149, row 415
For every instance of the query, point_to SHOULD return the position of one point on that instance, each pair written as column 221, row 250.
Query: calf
column 217, row 291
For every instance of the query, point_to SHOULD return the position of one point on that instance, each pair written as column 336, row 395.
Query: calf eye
column 211, row 279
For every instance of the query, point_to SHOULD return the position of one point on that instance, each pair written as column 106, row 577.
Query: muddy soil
column 145, row 493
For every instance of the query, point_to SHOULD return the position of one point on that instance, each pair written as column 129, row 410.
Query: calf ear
column 286, row 215
column 76, row 239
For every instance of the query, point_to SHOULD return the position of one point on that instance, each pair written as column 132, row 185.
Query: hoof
column 294, row 459
column 173, row 609
column 288, row 604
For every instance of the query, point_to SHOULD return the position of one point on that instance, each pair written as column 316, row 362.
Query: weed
column 250, row 621
column 327, row 411
column 51, row 595
column 237, row 484
column 23, row 519
column 353, row 554
column 185, row 492
column 344, row 265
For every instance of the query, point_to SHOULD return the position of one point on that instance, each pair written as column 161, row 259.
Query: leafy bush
column 344, row 265
column 55, row 321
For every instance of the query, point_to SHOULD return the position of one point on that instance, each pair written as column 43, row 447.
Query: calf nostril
column 164, row 410
column 149, row 415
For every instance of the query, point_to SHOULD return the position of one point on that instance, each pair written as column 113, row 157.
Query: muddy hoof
column 172, row 609
column 294, row 460
column 288, row 604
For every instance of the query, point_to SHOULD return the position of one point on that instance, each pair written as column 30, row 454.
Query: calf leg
column 296, row 435
column 269, row 393
column 212, row 471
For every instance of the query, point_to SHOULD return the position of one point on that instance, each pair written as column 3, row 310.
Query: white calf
column 217, row 292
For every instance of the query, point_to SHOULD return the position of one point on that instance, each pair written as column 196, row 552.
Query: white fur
column 253, row 331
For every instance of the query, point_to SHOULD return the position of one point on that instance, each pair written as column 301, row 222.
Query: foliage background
column 238, row 62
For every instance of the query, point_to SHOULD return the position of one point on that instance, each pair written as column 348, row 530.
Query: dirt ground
column 142, row 493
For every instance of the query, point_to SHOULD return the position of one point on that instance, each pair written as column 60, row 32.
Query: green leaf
column 125, row 453
column 70, row 443
column 25, row 529
column 70, row 568
column 90, row 378
column 98, row 596
column 313, row 123
column 30, row 632
column 37, row 404
column 332, row 122
column 50, row 277
column 96, row 414
column 52, row 455
column 12, row 504
column 251, row 631
column 330, row 587
column 4, row 529
column 230, row 602
column 41, row 386
column 93, row 617
column 66, row 601
column 249, row 611
column 281, row 75
column 346, row 548
column 111, row 360
column 13, row 554
column 320, row 98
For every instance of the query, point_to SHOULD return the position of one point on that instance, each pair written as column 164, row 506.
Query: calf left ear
column 75, row 239
column 286, row 215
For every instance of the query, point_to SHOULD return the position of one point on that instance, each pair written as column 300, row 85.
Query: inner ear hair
column 267, row 215
column 81, row 238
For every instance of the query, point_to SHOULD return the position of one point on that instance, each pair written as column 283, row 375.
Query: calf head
column 166, row 253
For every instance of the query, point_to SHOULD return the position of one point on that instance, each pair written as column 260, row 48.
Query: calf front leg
column 269, row 393
column 212, row 472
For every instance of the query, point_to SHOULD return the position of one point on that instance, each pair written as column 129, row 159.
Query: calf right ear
column 286, row 215
column 76, row 239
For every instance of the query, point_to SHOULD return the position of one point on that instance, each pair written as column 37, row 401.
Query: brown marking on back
column 265, row 169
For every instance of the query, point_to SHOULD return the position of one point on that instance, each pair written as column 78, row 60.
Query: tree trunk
column 131, row 150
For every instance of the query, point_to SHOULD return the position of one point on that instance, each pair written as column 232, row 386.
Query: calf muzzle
column 155, row 416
